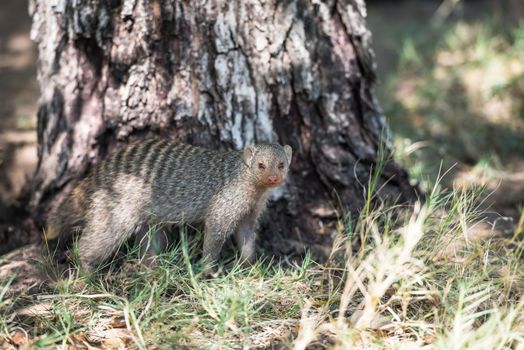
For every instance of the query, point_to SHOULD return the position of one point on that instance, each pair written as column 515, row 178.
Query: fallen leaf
column 118, row 322
column 19, row 338
column 42, row 309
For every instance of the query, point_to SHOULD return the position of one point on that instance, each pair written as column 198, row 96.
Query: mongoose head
column 268, row 163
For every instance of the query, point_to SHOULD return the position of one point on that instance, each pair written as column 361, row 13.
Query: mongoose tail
column 67, row 218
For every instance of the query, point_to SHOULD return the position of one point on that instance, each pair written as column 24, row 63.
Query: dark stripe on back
column 143, row 150
column 177, row 154
column 155, row 161
column 116, row 162
column 128, row 161
column 170, row 155
column 175, row 158
column 99, row 177
column 150, row 158
column 122, row 155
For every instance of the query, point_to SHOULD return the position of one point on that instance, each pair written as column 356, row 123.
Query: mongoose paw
column 248, row 262
column 212, row 272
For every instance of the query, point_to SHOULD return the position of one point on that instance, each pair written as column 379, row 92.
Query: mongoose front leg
column 245, row 237
column 215, row 234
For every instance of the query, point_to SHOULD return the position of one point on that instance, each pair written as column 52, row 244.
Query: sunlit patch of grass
column 460, row 95
column 414, row 286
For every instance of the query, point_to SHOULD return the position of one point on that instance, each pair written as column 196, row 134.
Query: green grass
column 420, row 277
column 434, row 276
column 456, row 95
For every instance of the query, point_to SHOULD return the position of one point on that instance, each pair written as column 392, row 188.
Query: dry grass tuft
column 418, row 281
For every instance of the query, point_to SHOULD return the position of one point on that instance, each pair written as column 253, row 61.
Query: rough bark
column 217, row 74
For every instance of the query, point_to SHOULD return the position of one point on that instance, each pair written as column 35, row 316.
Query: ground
column 446, row 276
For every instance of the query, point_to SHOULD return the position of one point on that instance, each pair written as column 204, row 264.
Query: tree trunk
column 218, row 74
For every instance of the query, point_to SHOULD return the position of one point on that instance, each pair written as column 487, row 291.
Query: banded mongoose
column 161, row 181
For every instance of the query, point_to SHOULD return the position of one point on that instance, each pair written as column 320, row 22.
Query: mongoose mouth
column 273, row 183
column 272, row 180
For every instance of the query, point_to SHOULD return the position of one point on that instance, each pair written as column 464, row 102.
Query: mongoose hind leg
column 96, row 244
column 104, row 234
column 152, row 241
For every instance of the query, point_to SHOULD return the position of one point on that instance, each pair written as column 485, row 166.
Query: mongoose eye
column 261, row 166
column 281, row 166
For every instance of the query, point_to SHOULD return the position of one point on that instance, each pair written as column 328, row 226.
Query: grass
column 456, row 95
column 421, row 278
column 435, row 276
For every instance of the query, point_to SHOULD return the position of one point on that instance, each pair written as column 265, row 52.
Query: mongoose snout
column 273, row 180
column 157, row 181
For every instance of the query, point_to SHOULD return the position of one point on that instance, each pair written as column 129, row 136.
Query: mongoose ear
column 249, row 153
column 289, row 153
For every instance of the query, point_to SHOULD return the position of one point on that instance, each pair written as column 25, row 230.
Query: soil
column 19, row 94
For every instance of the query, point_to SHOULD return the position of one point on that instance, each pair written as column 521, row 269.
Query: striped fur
column 157, row 181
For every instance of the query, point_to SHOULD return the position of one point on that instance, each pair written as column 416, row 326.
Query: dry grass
column 433, row 277
column 456, row 97
column 427, row 283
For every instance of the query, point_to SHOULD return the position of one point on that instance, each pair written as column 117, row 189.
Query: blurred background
column 19, row 95
column 452, row 87
column 451, row 84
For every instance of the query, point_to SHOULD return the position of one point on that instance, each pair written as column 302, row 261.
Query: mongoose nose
column 272, row 179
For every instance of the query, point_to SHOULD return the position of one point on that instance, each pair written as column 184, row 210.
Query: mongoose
column 161, row 181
